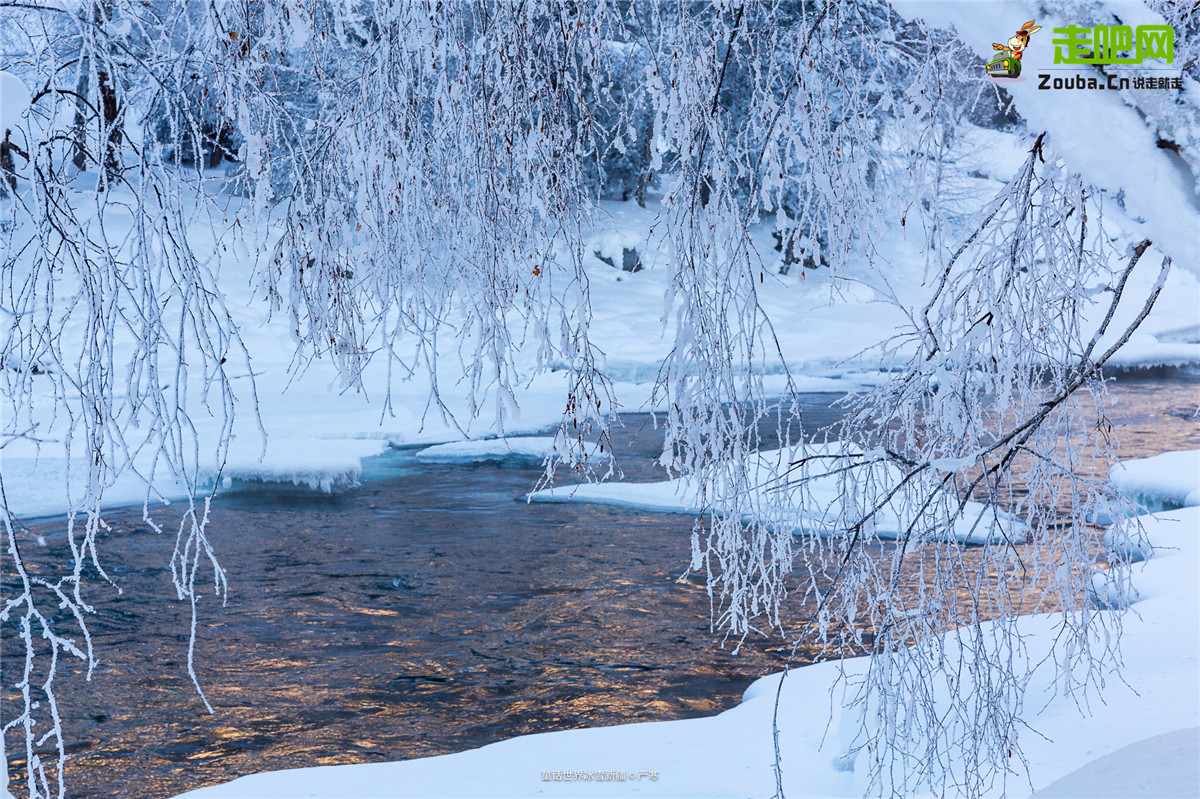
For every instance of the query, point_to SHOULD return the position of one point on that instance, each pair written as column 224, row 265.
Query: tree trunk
column 110, row 129
column 647, row 175
column 81, row 92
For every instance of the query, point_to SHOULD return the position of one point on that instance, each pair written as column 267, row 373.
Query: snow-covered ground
column 770, row 472
column 1172, row 478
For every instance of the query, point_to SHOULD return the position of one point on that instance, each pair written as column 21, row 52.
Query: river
column 428, row 611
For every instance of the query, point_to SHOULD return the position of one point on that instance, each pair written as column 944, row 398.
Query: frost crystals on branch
column 1001, row 402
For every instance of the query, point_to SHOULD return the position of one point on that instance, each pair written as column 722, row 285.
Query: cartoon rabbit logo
column 1007, row 62
column 1019, row 42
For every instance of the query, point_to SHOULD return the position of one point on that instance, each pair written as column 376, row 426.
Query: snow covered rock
column 619, row 249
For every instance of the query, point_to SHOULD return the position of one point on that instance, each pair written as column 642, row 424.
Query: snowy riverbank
column 771, row 471
column 315, row 429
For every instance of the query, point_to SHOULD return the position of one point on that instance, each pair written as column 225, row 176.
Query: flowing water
column 429, row 611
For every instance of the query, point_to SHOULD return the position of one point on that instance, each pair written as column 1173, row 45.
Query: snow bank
column 39, row 484
column 1172, row 478
column 530, row 448
column 1166, row 765
column 320, row 464
column 667, row 496
column 770, row 470
column 1146, row 349
column 14, row 99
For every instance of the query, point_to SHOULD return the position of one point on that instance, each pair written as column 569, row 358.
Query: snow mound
column 532, row 448
column 14, row 99
column 620, row 248
column 39, row 486
column 1108, row 593
column 1122, row 544
column 1172, row 478
column 668, row 496
column 319, row 464
column 770, row 470
column 1163, row 766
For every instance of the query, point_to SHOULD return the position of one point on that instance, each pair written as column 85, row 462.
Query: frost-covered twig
column 954, row 423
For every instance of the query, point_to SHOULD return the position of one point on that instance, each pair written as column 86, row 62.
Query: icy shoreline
column 1172, row 478
column 771, row 470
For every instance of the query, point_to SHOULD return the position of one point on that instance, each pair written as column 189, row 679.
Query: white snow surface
column 1172, row 478
column 14, row 100
column 832, row 325
column 1166, row 765
column 39, row 482
column 319, row 464
column 770, row 471
column 1067, row 747
column 527, row 448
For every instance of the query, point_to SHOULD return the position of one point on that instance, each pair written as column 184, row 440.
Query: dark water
column 425, row 613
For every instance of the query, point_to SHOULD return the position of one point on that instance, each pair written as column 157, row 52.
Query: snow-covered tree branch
column 413, row 186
